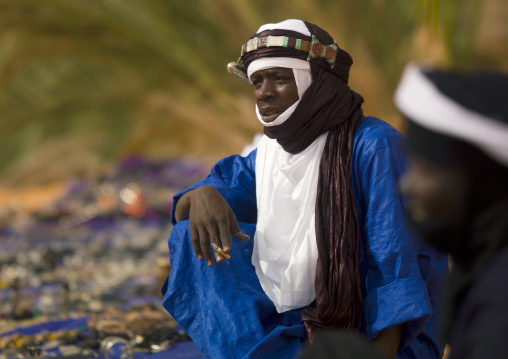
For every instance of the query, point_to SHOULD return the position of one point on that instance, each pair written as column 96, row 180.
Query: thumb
column 235, row 228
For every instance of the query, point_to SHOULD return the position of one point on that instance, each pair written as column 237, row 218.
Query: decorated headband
column 314, row 48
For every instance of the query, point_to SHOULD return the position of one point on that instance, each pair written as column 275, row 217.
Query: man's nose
column 265, row 91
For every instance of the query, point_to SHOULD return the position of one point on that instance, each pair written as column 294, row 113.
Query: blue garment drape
column 226, row 312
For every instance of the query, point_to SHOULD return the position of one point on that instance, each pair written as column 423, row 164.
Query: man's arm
column 401, row 277
column 234, row 178
column 395, row 290
column 388, row 340
column 211, row 220
column 214, row 204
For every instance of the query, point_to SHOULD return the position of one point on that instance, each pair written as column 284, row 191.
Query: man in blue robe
column 329, row 246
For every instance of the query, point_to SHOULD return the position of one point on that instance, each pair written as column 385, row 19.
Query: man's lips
column 269, row 114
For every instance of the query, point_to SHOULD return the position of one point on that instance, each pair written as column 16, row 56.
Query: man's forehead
column 273, row 70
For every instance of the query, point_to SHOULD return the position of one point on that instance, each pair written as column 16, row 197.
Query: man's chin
column 270, row 118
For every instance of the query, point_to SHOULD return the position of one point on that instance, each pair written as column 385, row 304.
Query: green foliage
column 113, row 77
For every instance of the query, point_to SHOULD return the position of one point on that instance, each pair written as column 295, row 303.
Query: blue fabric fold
column 224, row 308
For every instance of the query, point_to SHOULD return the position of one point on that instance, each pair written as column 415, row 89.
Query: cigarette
column 221, row 252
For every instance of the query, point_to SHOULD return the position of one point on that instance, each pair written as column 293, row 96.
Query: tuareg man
column 319, row 198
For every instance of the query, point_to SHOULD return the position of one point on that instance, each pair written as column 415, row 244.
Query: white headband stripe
column 269, row 62
column 291, row 24
column 419, row 99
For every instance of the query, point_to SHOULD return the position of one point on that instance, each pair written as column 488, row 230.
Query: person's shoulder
column 373, row 129
column 487, row 285
column 483, row 311
column 486, row 294
column 374, row 135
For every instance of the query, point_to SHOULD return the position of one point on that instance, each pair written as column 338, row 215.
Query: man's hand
column 388, row 340
column 211, row 220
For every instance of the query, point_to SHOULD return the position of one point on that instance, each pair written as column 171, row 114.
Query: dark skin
column 388, row 340
column 210, row 217
column 275, row 91
column 433, row 191
column 211, row 220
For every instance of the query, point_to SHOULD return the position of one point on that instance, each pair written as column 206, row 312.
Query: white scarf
column 285, row 250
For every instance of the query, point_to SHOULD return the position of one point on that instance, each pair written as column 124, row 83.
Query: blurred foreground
column 97, row 255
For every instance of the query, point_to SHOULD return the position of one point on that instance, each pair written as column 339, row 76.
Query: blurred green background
column 84, row 83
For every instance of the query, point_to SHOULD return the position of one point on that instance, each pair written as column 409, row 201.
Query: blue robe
column 224, row 308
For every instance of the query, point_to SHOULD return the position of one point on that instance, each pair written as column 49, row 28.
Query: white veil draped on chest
column 285, row 250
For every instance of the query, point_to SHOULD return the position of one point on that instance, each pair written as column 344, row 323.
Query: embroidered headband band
column 314, row 48
column 318, row 47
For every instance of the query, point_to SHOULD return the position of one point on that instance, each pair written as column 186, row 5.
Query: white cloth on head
column 291, row 24
column 285, row 250
column 303, row 78
column 418, row 98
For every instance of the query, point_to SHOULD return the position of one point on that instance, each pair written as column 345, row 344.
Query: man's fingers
column 225, row 235
column 218, row 257
column 235, row 228
column 204, row 243
column 216, row 244
column 195, row 241
column 241, row 236
column 213, row 222
column 220, row 252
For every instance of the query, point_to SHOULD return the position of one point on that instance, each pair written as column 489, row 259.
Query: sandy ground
column 32, row 198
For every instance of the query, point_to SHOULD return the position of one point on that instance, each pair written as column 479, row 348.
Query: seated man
column 458, row 190
column 319, row 199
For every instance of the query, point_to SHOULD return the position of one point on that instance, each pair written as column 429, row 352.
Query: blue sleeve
column 234, row 178
column 395, row 291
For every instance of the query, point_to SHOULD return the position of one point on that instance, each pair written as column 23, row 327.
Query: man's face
column 275, row 91
column 435, row 193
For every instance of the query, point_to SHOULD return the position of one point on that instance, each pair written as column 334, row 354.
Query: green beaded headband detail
column 314, row 48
